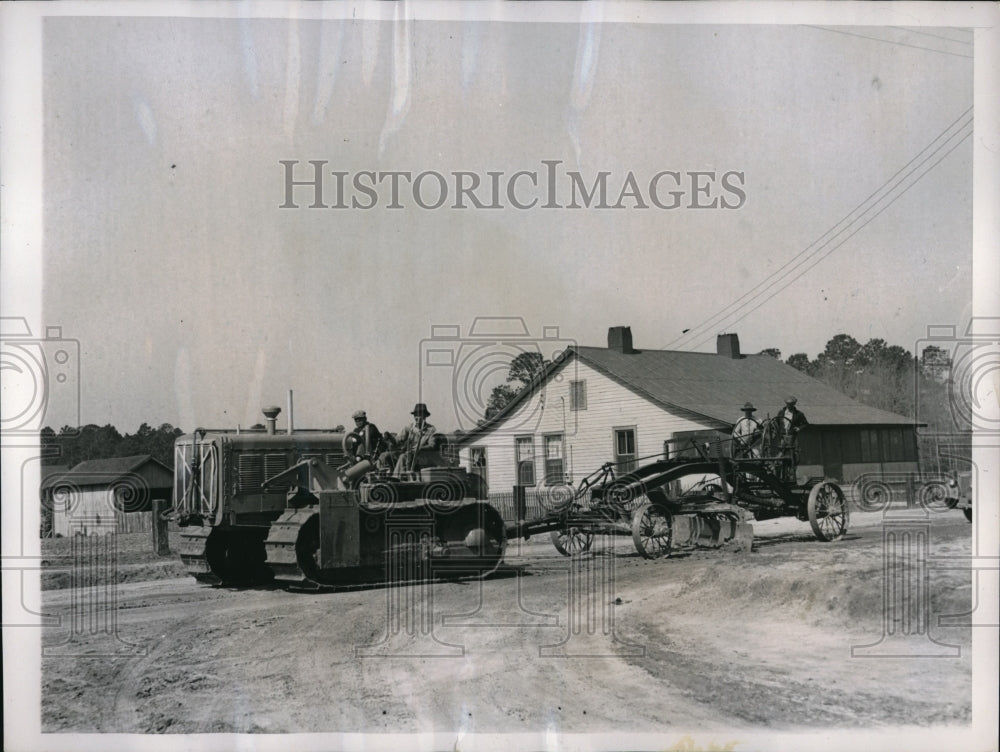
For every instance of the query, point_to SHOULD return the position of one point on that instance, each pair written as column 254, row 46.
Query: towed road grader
column 296, row 508
column 651, row 503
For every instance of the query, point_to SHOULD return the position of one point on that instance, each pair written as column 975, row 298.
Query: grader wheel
column 572, row 541
column 652, row 531
column 827, row 510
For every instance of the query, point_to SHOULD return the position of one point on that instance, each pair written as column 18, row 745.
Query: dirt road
column 709, row 640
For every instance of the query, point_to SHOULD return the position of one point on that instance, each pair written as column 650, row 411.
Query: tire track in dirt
column 712, row 628
column 505, row 682
column 126, row 711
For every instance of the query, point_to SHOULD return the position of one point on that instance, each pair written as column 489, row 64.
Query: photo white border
column 20, row 294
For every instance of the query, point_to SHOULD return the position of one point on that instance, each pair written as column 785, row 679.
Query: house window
column 524, row 453
column 554, row 472
column 624, row 450
column 578, row 395
column 477, row 462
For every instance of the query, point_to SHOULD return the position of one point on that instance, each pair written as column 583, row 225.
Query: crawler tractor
column 298, row 507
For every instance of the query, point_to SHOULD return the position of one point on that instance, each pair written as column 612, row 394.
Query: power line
column 816, row 259
column 809, row 258
column 887, row 41
column 855, row 232
column 886, row 187
column 936, row 36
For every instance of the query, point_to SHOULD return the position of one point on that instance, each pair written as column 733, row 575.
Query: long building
column 625, row 405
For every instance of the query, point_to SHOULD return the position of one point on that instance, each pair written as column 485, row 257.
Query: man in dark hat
column 746, row 434
column 416, row 436
column 365, row 440
column 791, row 421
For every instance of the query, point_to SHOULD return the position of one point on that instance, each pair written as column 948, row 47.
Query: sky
column 196, row 299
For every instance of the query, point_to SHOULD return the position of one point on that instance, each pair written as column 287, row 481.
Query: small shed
column 47, row 472
column 108, row 495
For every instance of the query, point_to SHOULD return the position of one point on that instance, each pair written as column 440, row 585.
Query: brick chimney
column 620, row 339
column 728, row 346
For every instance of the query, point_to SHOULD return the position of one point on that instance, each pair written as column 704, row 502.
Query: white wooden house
column 623, row 405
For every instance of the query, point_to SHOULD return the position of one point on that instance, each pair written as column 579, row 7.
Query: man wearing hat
column 416, row 436
column 791, row 421
column 746, row 434
column 365, row 438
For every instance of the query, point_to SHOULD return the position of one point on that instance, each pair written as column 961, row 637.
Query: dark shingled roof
column 101, row 472
column 48, row 470
column 713, row 388
column 716, row 387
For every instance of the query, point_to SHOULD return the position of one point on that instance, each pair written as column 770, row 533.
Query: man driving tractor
column 365, row 438
column 411, row 440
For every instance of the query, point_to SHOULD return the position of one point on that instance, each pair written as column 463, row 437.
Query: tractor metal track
column 280, row 546
column 285, row 559
column 194, row 541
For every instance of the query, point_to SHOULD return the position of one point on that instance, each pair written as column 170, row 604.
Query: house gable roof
column 716, row 387
column 103, row 471
column 710, row 388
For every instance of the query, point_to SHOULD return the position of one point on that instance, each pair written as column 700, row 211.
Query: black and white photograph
column 500, row 375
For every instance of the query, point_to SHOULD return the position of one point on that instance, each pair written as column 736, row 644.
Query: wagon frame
column 645, row 502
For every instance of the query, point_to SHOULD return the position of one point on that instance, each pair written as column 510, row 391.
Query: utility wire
column 855, row 232
column 936, row 36
column 887, row 41
column 819, row 242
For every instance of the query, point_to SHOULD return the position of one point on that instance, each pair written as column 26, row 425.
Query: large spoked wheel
column 827, row 509
column 572, row 541
column 652, row 531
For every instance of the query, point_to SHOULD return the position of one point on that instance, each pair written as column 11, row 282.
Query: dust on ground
column 705, row 640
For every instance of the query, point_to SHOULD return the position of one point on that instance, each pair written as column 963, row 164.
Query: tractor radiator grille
column 251, row 470
column 275, row 463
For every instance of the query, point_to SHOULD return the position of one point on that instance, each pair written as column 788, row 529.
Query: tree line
column 877, row 374
column 73, row 445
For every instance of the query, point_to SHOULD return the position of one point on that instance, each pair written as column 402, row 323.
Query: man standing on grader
column 791, row 420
